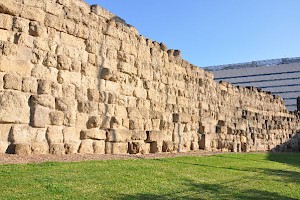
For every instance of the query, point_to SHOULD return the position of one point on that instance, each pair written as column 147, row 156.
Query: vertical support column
column 298, row 103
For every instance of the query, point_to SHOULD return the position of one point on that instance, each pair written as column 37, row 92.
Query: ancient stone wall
column 75, row 78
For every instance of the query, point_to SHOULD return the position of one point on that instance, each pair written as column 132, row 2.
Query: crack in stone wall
column 75, row 78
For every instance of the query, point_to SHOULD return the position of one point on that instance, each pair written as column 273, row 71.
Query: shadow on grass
column 194, row 190
column 292, row 159
column 210, row 191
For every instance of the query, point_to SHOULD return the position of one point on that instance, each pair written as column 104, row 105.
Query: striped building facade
column 279, row 76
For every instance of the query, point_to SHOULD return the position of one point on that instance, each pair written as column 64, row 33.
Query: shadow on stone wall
column 292, row 145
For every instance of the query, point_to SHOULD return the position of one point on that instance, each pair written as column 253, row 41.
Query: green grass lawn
column 227, row 176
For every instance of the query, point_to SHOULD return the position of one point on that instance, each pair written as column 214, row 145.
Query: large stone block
column 86, row 147
column 14, row 107
column 39, row 148
column 56, row 118
column 138, row 147
column 6, row 21
column 3, row 146
column 20, row 134
column 156, row 147
column 33, row 13
column 99, row 146
column 94, row 134
column 57, row 149
column 118, row 135
column 39, row 116
column 29, row 84
column 5, row 130
column 116, row 147
column 36, row 29
column 43, row 100
column 22, row 149
column 44, row 86
column 71, row 135
column 12, row 81
column 11, row 7
column 72, row 148
column 54, row 135
column 93, row 122
column 168, row 146
column 154, row 136
column 93, row 95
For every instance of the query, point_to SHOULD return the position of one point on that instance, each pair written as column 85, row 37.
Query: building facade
column 279, row 76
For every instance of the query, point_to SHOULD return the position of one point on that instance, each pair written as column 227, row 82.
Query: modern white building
column 279, row 76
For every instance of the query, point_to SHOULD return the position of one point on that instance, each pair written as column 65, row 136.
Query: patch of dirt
column 17, row 159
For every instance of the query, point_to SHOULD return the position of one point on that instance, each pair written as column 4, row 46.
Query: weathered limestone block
column 68, row 91
column 43, row 100
column 22, row 149
column 71, row 135
column 6, row 21
column 118, row 135
column 138, row 147
column 96, row 9
column 138, row 135
column 39, row 116
column 94, row 134
column 168, row 146
column 154, row 136
column 39, row 148
column 63, row 62
column 81, row 93
column 29, row 84
column 140, row 93
column 50, row 60
column 44, row 86
column 137, row 124
column 20, row 134
column 20, row 67
column 99, row 146
column 54, row 135
column 12, row 81
column 70, row 118
column 134, row 113
column 121, row 111
column 116, row 147
column 36, row 29
column 20, row 25
column 1, row 81
column 72, row 148
column 93, row 94
column 56, row 118
column 155, row 124
column 127, row 68
column 57, row 149
column 64, row 104
column 86, row 146
column 195, row 145
column 3, row 146
column 87, row 107
column 156, row 147
column 93, row 122
column 106, row 73
column 105, row 124
column 14, row 107
column 111, row 86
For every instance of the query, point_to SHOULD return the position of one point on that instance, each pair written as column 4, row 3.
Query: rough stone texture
column 78, row 79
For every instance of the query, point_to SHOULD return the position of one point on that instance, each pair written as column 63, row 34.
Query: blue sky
column 214, row 32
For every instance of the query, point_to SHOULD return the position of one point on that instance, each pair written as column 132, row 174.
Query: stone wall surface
column 75, row 78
